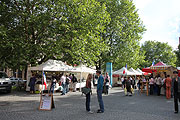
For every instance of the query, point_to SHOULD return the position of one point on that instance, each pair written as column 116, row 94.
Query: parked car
column 5, row 83
column 18, row 82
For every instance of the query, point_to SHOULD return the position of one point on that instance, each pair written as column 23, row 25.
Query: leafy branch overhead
column 92, row 32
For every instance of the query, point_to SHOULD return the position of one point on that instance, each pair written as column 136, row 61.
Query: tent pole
column 42, row 81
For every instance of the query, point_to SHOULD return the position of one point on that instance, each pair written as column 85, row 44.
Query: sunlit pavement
column 24, row 106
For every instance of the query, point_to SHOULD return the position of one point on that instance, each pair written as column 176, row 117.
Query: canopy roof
column 122, row 70
column 140, row 71
column 148, row 70
column 52, row 65
column 83, row 68
column 160, row 66
column 135, row 72
column 178, row 68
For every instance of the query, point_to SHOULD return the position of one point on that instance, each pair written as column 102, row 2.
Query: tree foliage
column 123, row 34
column 178, row 56
column 34, row 31
column 158, row 51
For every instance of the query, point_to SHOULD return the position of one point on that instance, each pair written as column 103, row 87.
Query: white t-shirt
column 63, row 79
column 122, row 79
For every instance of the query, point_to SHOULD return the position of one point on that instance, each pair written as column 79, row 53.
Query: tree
column 157, row 51
column 178, row 56
column 123, row 34
column 38, row 30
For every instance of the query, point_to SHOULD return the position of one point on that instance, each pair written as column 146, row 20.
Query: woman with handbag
column 88, row 95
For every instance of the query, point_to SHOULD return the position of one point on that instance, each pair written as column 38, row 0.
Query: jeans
column 172, row 92
column 67, row 88
column 88, row 97
column 158, row 90
column 52, row 88
column 100, row 100
column 64, row 89
column 151, row 89
column 107, row 89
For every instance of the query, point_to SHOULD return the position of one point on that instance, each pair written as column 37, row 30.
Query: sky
column 161, row 19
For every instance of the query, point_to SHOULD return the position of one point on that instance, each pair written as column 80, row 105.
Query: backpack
column 74, row 79
column 67, row 80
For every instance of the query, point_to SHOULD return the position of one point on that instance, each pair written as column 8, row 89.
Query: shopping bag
column 132, row 90
column 125, row 91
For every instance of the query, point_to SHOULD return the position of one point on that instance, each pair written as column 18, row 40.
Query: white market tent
column 120, row 72
column 52, row 65
column 83, row 69
column 135, row 71
column 140, row 71
column 178, row 68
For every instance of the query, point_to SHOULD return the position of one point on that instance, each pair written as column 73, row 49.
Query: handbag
column 86, row 90
column 132, row 90
column 125, row 91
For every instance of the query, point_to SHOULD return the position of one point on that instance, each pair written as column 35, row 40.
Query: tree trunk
column 23, row 74
column 16, row 73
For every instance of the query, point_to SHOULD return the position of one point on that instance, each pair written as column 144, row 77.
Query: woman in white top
column 158, row 84
column 151, row 83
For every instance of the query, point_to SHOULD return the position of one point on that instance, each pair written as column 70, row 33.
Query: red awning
column 148, row 70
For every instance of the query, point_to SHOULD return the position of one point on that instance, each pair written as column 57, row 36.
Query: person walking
column 139, row 84
column 88, row 95
column 70, row 82
column 128, row 86
column 176, row 89
column 158, row 84
column 133, row 82
column 99, row 91
column 151, row 83
column 106, row 83
column 63, row 84
column 168, row 82
column 32, row 83
column 67, row 83
column 123, row 82
column 53, row 84
column 172, row 88
column 74, row 80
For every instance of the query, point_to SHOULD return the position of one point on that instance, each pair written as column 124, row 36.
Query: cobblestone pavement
column 23, row 106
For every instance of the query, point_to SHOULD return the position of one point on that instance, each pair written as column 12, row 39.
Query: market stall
column 178, row 68
column 50, row 67
column 84, row 71
column 122, row 72
column 158, row 69
column 163, row 69
column 135, row 71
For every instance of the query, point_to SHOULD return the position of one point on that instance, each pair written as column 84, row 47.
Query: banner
column 109, row 70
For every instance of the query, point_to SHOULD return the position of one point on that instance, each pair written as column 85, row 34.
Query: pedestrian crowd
column 168, row 86
column 66, row 82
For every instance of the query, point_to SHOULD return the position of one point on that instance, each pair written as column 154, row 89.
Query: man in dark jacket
column 99, row 91
column 176, row 89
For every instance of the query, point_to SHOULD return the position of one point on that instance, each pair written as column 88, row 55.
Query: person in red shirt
column 168, row 82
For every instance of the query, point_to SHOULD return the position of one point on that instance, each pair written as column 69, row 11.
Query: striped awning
column 160, row 66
